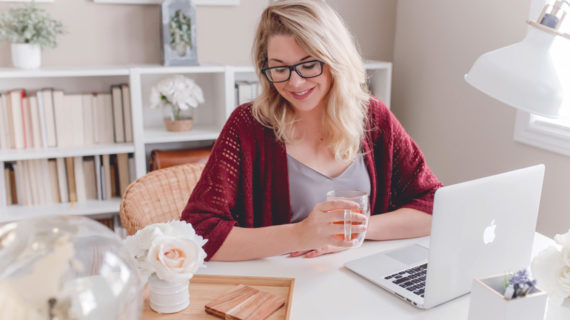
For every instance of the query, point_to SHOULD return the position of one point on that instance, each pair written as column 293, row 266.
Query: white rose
column 563, row 239
column 551, row 273
column 175, row 244
column 566, row 255
column 175, row 259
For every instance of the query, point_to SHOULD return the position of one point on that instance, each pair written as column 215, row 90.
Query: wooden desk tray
column 205, row 288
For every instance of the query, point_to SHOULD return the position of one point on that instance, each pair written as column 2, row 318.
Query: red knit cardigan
column 245, row 181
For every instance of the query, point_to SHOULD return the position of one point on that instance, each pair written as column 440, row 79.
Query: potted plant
column 168, row 255
column 178, row 96
column 29, row 29
column 507, row 297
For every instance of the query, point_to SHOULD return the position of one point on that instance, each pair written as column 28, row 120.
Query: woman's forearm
column 255, row 243
column 399, row 224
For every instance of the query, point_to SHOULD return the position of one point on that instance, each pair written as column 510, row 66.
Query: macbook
column 479, row 228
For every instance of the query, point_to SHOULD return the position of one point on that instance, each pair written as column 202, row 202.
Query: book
column 132, row 169
column 127, row 113
column 90, row 178
column 123, row 172
column 27, row 123
column 70, row 171
column 15, row 102
column 42, row 118
column 32, row 180
column 53, row 183
column 41, row 172
column 74, row 116
column 7, row 186
column 88, row 119
column 35, row 123
column 104, row 125
column 119, row 126
column 79, row 179
column 61, row 120
column 114, row 175
column 62, row 180
column 98, row 177
column 19, row 182
column 47, row 101
column 8, row 120
column 106, row 177
column 5, row 119
column 13, row 184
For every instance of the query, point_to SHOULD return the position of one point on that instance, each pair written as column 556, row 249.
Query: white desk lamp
column 532, row 75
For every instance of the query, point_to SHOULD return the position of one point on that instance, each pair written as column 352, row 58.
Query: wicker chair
column 159, row 196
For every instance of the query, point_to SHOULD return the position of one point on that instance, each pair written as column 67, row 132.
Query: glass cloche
column 66, row 268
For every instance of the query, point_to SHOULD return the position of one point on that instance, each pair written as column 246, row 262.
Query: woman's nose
column 295, row 79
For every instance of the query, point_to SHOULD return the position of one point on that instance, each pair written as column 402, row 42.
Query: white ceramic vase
column 168, row 297
column 26, row 56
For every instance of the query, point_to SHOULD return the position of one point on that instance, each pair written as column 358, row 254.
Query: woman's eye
column 280, row 70
column 309, row 66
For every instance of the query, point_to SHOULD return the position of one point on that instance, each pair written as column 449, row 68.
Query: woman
column 314, row 125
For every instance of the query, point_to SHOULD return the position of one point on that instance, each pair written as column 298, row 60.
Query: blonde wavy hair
column 320, row 31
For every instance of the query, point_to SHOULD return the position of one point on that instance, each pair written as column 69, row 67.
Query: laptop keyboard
column 413, row 279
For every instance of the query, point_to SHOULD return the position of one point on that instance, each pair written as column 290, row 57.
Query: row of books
column 246, row 91
column 49, row 118
column 71, row 179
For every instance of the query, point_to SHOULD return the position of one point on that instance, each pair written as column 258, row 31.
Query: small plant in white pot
column 29, row 29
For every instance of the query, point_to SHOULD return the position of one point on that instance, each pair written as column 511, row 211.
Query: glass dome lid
column 66, row 267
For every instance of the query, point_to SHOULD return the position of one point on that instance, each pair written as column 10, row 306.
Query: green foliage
column 180, row 32
column 30, row 24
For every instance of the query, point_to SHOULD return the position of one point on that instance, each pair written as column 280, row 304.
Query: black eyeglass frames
column 307, row 69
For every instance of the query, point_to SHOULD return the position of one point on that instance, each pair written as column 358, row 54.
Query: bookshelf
column 216, row 81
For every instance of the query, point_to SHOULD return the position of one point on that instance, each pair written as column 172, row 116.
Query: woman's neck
column 309, row 124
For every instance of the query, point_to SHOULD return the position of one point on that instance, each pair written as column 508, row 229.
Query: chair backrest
column 158, row 196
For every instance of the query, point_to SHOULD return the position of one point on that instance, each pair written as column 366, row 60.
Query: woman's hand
column 316, row 252
column 319, row 229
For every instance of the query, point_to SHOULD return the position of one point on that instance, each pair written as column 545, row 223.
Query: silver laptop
column 480, row 227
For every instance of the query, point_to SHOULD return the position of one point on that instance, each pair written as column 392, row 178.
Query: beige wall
column 104, row 34
column 463, row 133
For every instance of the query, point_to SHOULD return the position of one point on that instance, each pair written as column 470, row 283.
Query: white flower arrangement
column 178, row 93
column 173, row 250
column 551, row 267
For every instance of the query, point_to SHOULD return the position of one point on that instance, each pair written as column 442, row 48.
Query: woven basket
column 159, row 196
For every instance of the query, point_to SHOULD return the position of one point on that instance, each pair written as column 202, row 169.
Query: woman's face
column 304, row 94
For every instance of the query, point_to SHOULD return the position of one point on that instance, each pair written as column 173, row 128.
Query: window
column 553, row 135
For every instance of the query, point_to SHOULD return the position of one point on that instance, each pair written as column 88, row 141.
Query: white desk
column 324, row 289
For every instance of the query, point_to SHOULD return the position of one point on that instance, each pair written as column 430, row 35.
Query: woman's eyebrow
column 281, row 61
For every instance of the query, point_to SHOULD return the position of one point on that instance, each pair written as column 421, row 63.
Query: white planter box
column 488, row 302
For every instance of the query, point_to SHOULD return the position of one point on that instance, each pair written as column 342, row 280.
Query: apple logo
column 489, row 233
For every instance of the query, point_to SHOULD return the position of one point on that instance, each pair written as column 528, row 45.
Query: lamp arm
column 551, row 18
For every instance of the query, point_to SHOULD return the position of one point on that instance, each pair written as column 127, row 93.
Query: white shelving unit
column 216, row 81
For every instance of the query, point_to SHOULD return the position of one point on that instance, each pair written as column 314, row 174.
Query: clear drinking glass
column 359, row 197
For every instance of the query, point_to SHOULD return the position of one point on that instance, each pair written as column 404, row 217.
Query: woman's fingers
column 298, row 253
column 322, row 251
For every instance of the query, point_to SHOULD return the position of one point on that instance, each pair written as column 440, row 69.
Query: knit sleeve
column 413, row 183
column 213, row 198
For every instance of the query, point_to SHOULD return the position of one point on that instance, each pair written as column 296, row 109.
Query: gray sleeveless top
column 308, row 187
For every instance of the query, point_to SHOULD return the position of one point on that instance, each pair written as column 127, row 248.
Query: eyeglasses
column 307, row 69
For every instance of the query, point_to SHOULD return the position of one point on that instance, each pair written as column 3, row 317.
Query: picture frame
column 196, row 2
column 179, row 40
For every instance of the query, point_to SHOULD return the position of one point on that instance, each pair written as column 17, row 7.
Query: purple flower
column 519, row 285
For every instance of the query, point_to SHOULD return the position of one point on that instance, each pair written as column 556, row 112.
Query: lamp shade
column 530, row 75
